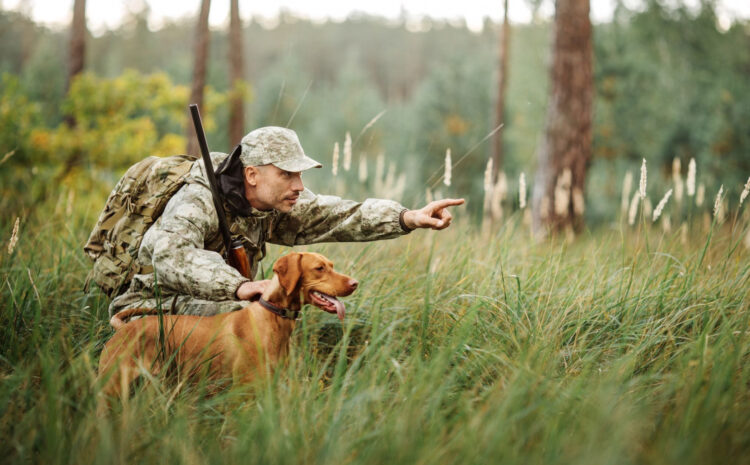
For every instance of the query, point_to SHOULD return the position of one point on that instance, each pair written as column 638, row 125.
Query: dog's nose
column 353, row 283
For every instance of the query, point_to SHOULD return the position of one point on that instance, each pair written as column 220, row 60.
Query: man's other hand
column 250, row 289
column 434, row 215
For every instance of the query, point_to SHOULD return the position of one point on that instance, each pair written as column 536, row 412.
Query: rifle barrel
column 223, row 226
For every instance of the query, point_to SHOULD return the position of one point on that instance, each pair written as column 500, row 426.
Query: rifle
column 236, row 254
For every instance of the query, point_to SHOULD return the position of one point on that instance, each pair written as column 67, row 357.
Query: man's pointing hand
column 434, row 215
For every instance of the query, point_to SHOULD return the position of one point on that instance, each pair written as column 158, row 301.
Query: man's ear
column 289, row 270
column 251, row 175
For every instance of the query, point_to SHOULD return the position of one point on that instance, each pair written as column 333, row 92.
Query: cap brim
column 300, row 164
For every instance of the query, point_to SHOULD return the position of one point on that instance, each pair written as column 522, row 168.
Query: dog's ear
column 288, row 268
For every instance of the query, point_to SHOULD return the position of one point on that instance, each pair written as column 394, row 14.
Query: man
column 265, row 201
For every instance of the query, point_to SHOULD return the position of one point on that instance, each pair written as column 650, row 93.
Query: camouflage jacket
column 185, row 248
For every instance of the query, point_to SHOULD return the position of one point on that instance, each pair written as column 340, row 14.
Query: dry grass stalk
column 633, row 210
column 627, row 185
column 335, row 161
column 7, row 156
column 717, row 202
column 428, row 195
column 677, row 179
column 347, row 152
column 700, row 195
column 448, row 166
column 747, row 240
column 562, row 193
column 745, row 191
column 644, row 174
column 522, row 191
column 661, row 204
column 691, row 178
column 14, row 236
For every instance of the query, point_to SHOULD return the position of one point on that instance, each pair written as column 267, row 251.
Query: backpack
column 135, row 203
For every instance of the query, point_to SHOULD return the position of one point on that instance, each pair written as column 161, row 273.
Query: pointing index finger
column 438, row 204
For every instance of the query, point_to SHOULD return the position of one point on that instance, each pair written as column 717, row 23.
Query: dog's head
column 311, row 276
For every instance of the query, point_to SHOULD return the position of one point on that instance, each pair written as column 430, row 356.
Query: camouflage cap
column 277, row 146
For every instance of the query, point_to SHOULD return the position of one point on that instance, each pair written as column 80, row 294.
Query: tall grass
column 457, row 348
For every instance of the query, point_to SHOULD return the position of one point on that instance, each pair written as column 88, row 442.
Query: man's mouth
column 328, row 303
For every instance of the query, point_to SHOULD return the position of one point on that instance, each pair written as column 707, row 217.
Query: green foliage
column 671, row 84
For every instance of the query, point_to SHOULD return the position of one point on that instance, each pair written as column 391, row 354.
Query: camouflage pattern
column 185, row 248
column 277, row 146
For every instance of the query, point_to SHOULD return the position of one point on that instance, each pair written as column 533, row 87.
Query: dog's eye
column 320, row 268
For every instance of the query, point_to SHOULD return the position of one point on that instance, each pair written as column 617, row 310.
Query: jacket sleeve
column 174, row 246
column 326, row 218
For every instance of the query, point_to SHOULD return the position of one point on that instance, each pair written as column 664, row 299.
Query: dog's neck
column 278, row 296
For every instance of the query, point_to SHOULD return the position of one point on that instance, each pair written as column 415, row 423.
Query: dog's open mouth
column 328, row 303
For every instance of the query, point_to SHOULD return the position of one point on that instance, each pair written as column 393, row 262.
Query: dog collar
column 282, row 312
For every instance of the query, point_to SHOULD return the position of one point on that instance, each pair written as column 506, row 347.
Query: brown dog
column 230, row 346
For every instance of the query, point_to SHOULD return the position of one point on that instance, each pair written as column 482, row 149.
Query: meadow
column 625, row 345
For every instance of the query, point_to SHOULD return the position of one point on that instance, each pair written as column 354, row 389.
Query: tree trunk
column 199, row 73
column 565, row 151
column 236, row 76
column 77, row 47
column 502, row 84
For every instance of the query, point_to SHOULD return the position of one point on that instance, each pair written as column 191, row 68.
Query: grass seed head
column 661, row 204
column 362, row 168
column 488, row 185
column 14, row 236
column 644, row 174
column 677, row 179
column 700, row 195
column 717, row 202
column 633, row 210
column 690, row 184
column 522, row 191
column 627, row 185
column 347, row 152
column 745, row 191
column 335, row 161
column 448, row 166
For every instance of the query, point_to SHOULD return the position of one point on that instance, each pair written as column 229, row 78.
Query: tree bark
column 236, row 75
column 202, row 39
column 77, row 48
column 565, row 151
column 502, row 84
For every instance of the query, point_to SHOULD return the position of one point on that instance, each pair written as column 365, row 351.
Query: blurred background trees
column 668, row 82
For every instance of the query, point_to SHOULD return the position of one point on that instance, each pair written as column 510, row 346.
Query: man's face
column 274, row 188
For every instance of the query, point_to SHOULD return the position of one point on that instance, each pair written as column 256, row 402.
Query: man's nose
column 297, row 185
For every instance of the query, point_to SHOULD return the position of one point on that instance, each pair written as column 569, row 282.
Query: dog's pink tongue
column 340, row 309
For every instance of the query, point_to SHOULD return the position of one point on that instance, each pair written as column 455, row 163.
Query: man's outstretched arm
column 326, row 218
